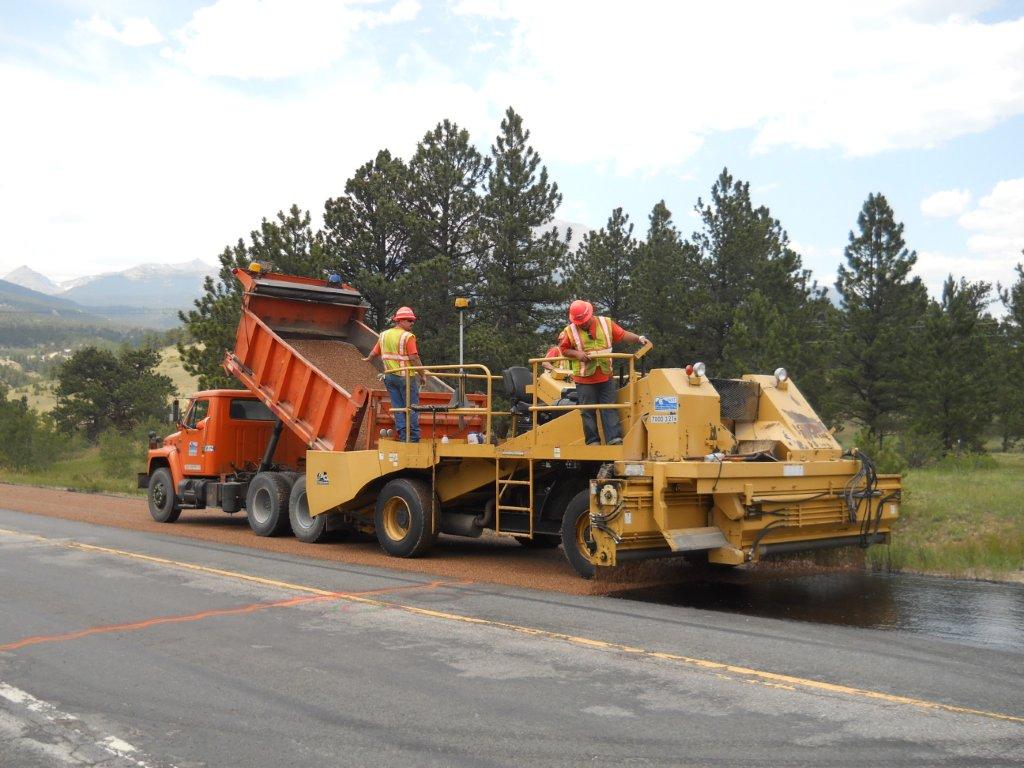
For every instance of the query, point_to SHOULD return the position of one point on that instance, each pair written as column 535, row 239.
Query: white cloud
column 134, row 32
column 948, row 202
column 166, row 167
column 645, row 84
column 994, row 247
column 275, row 39
column 998, row 221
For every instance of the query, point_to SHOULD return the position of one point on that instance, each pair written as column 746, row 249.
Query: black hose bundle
column 855, row 496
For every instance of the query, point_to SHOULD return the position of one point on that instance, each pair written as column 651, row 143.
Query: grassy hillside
column 40, row 391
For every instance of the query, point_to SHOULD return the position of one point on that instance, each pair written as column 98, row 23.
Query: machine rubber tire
column 575, row 532
column 402, row 519
column 163, row 502
column 311, row 530
column 266, row 504
column 540, row 541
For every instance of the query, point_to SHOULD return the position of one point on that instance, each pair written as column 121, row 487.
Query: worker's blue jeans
column 396, row 388
column 603, row 394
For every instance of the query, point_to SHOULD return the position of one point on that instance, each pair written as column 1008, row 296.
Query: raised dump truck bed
column 300, row 347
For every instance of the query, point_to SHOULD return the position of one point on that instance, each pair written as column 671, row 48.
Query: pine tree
column 954, row 398
column 743, row 249
column 602, row 269
column 445, row 176
column 520, row 300
column 367, row 235
column 666, row 291
column 285, row 245
column 877, row 350
column 99, row 390
column 1008, row 364
column 760, row 336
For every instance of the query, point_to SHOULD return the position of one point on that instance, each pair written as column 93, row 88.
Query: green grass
column 961, row 517
column 87, row 470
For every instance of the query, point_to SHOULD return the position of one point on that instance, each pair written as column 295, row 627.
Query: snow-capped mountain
column 27, row 277
column 153, row 286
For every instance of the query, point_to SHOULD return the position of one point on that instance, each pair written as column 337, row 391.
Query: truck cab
column 222, row 439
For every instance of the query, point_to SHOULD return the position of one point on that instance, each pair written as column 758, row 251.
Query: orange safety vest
column 595, row 346
column 393, row 343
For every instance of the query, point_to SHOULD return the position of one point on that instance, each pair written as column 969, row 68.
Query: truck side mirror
column 176, row 413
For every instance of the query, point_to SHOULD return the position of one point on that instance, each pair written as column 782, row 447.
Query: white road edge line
column 112, row 745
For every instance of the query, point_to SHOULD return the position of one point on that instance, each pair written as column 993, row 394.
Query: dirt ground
column 489, row 559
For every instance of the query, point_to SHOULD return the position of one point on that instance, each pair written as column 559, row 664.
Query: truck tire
column 163, row 503
column 266, row 504
column 402, row 519
column 576, row 540
column 310, row 529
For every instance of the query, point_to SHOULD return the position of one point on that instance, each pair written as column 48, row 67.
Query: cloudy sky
column 145, row 131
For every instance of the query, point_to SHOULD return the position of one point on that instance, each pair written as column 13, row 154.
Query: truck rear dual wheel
column 163, row 503
column 577, row 539
column 403, row 517
column 308, row 528
column 266, row 504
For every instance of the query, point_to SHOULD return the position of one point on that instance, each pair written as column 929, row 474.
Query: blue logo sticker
column 666, row 403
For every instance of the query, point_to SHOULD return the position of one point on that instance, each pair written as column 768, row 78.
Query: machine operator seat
column 517, row 379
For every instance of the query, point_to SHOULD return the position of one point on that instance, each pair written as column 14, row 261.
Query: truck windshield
column 250, row 410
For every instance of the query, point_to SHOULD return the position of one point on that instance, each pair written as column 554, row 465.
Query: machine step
column 693, row 539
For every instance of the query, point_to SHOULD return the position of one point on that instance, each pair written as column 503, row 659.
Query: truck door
column 196, row 438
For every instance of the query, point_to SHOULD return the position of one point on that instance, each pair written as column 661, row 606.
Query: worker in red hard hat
column 587, row 339
column 397, row 349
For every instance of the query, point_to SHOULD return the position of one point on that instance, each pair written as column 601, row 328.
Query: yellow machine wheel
column 403, row 517
column 576, row 539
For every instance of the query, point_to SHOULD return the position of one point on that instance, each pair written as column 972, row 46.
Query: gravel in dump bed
column 341, row 361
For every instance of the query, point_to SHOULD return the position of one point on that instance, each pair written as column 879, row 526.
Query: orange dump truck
column 299, row 354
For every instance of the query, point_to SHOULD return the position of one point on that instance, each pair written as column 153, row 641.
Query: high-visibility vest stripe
column 393, row 344
column 597, row 346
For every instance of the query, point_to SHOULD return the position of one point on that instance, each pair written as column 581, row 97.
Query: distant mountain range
column 147, row 296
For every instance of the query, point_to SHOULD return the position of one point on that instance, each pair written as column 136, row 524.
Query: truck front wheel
column 307, row 528
column 163, row 504
column 266, row 504
column 577, row 540
column 403, row 517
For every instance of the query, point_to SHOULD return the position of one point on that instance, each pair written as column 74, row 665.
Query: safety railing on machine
column 453, row 371
column 630, row 404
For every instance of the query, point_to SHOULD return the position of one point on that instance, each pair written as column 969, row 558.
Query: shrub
column 123, row 454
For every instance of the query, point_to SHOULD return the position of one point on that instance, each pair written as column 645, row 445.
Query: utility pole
column 462, row 304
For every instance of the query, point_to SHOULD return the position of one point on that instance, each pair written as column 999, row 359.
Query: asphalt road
column 129, row 648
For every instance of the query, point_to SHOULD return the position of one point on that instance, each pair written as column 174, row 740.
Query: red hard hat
column 580, row 312
column 404, row 313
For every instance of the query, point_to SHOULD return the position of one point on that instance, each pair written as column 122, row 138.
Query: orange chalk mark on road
column 209, row 614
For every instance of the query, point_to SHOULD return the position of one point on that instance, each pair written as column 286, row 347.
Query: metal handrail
column 460, row 372
column 630, row 402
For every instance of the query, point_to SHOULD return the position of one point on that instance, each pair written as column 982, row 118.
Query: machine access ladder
column 505, row 469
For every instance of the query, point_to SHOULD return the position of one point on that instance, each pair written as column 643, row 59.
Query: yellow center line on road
column 728, row 671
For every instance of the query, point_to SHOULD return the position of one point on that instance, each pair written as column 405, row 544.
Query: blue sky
column 159, row 132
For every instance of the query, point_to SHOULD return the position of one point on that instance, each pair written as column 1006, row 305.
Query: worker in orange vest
column 397, row 349
column 586, row 339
